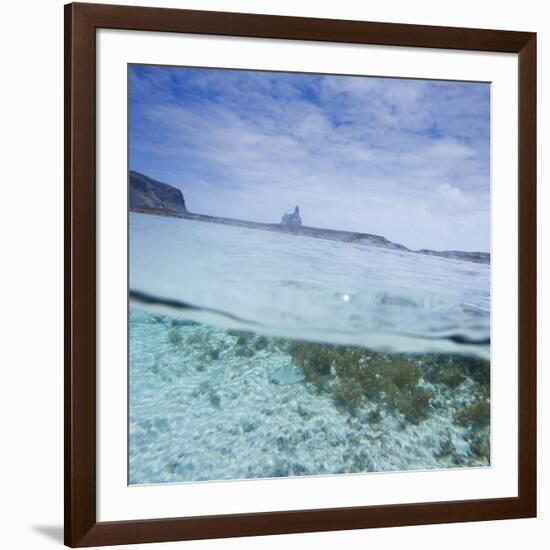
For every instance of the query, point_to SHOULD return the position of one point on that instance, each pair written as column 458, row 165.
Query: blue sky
column 406, row 159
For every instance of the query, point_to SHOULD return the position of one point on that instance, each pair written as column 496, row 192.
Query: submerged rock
column 287, row 375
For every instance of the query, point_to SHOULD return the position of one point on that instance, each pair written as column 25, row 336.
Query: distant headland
column 149, row 196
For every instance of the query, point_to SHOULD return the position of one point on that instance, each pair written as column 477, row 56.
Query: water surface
column 275, row 355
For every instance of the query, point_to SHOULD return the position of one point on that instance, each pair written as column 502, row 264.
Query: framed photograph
column 300, row 274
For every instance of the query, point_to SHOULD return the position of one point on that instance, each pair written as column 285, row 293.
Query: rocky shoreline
column 148, row 196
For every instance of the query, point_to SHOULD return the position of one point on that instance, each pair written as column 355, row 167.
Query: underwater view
column 309, row 274
column 307, row 356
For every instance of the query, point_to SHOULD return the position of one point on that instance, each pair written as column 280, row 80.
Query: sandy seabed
column 203, row 406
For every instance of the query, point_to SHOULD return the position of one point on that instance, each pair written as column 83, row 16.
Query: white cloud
column 405, row 159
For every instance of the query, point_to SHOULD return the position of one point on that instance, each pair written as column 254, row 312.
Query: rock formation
column 151, row 195
column 293, row 219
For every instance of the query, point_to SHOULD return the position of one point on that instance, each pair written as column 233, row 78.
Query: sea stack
column 292, row 220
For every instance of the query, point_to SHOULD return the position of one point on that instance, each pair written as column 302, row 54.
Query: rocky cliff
column 149, row 194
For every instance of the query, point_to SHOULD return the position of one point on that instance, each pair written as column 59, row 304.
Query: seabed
column 208, row 403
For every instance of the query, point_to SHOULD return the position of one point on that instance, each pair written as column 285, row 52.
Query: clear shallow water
column 302, row 357
column 299, row 287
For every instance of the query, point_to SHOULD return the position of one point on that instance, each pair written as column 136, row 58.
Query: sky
column 405, row 159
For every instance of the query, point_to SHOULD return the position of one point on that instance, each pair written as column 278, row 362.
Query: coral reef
column 475, row 415
column 356, row 376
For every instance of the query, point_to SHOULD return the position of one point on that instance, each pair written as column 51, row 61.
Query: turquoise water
column 266, row 355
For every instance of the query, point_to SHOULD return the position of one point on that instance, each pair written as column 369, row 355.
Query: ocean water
column 256, row 354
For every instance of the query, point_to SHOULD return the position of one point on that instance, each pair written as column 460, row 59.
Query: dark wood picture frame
column 81, row 23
